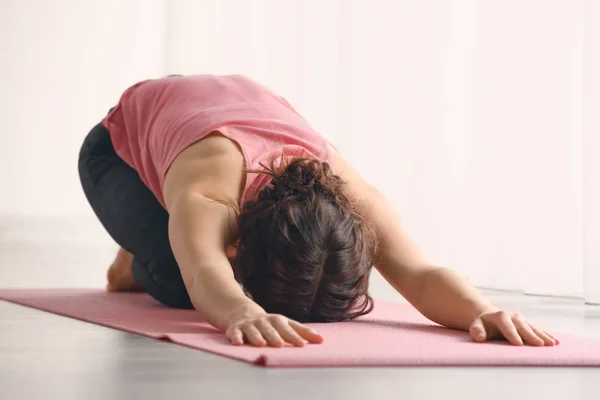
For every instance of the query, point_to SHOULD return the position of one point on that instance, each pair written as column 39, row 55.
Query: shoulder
column 344, row 168
column 213, row 167
column 357, row 188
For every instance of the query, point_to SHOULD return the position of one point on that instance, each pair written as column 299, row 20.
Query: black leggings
column 132, row 216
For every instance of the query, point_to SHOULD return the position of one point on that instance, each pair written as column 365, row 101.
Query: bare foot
column 120, row 278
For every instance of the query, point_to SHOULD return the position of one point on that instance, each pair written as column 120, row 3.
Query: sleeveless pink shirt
column 155, row 120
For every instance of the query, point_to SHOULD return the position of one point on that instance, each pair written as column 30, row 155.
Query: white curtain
column 479, row 119
column 63, row 63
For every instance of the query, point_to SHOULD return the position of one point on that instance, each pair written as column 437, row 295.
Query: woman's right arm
column 199, row 230
column 199, row 234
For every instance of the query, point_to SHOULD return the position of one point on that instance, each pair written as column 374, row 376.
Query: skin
column 210, row 174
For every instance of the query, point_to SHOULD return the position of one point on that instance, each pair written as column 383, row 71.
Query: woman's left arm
column 438, row 293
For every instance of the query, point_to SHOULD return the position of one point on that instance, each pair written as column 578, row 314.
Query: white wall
column 478, row 119
column 591, row 153
column 467, row 114
column 290, row 46
column 64, row 64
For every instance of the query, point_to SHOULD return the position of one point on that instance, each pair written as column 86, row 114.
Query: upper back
column 157, row 120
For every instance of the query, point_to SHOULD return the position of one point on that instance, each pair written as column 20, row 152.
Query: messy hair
column 304, row 250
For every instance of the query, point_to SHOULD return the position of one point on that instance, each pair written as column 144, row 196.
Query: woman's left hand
column 496, row 323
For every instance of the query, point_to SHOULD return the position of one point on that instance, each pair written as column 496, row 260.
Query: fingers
column 507, row 327
column 270, row 333
column 548, row 339
column 513, row 327
column 272, row 330
column 307, row 333
column 556, row 341
column 287, row 332
column 253, row 335
column 236, row 337
column 526, row 333
column 477, row 330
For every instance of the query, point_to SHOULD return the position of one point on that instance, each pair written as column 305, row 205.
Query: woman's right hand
column 261, row 329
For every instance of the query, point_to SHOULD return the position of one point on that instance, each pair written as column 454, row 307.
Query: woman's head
column 304, row 251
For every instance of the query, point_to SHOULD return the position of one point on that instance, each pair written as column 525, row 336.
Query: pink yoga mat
column 393, row 334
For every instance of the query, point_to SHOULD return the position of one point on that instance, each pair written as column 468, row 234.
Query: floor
column 47, row 356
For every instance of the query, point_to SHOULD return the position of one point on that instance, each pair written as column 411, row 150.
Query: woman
column 224, row 199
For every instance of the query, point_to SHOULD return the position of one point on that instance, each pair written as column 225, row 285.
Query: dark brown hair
column 304, row 251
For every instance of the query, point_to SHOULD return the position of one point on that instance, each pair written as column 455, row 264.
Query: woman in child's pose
column 224, row 199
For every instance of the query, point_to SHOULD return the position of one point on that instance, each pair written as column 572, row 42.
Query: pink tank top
column 155, row 120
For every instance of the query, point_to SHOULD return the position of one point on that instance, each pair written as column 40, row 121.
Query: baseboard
column 43, row 229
